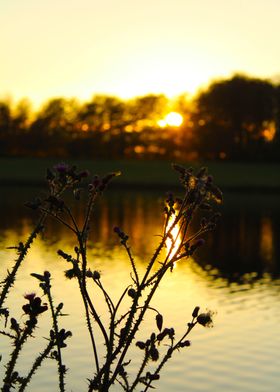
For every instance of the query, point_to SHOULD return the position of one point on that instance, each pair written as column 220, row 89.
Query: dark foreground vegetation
column 119, row 330
column 234, row 119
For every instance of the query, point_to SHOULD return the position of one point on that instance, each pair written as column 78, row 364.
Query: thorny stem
column 109, row 359
column 86, row 306
column 155, row 256
column 127, row 313
column 108, row 300
column 117, row 306
column 57, row 218
column 132, row 264
column 84, row 291
column 110, row 349
column 137, row 323
column 72, row 218
column 18, row 346
column 106, row 367
column 160, row 274
column 141, row 369
column 163, row 242
column 127, row 342
column 37, row 363
column 105, row 377
column 91, row 201
column 10, row 279
column 144, row 363
column 166, row 235
column 90, row 329
column 61, row 368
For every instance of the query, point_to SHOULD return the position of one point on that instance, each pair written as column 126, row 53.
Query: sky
column 127, row 48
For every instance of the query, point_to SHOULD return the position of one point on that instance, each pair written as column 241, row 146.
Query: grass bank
column 150, row 174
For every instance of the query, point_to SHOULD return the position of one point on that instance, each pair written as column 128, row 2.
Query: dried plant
column 178, row 241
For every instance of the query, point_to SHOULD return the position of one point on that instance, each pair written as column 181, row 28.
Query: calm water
column 237, row 275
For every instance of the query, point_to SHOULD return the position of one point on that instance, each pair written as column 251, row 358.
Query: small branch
column 10, row 279
column 132, row 264
column 169, row 353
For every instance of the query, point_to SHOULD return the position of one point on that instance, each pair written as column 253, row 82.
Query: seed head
column 205, row 319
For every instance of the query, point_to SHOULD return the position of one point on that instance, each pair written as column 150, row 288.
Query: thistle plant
column 120, row 333
column 65, row 178
column 20, row 334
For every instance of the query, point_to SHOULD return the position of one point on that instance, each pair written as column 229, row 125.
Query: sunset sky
column 78, row 48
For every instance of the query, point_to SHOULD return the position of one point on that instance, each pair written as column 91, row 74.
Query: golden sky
column 79, row 48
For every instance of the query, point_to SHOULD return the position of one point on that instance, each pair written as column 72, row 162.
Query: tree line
column 233, row 119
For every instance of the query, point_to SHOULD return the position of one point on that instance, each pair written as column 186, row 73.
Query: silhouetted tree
column 184, row 136
column 102, row 113
column 51, row 130
column 232, row 115
column 147, row 109
column 5, row 127
column 237, row 118
column 21, row 116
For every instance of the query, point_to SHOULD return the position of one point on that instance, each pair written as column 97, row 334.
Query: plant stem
column 61, row 370
column 37, row 363
column 10, row 279
column 170, row 352
column 18, row 346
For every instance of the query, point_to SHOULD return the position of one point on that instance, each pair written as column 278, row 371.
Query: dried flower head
column 205, row 319
column 30, row 296
column 61, row 167
column 35, row 306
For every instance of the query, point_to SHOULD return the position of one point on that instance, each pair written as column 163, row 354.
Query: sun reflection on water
column 174, row 240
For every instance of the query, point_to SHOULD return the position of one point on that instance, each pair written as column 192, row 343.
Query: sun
column 172, row 119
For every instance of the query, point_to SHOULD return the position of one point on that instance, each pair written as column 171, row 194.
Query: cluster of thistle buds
column 34, row 307
column 60, row 177
column 123, row 237
column 151, row 346
column 65, row 173
column 62, row 336
column 205, row 319
column 99, row 184
column 200, row 185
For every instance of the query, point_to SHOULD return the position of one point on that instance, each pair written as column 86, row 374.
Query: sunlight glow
column 173, row 243
column 172, row 119
column 269, row 132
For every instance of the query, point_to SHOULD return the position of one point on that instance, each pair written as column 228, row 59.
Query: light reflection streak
column 173, row 242
column 266, row 240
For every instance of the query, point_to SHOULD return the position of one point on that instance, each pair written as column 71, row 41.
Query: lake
column 236, row 274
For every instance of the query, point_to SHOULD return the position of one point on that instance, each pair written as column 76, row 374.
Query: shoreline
column 147, row 187
column 147, row 175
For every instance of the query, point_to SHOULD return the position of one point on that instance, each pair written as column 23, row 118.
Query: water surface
column 236, row 275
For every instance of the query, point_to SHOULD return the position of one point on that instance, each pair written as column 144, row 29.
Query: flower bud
column 141, row 345
column 205, row 319
column 96, row 275
column 159, row 321
column 195, row 312
column 132, row 293
column 89, row 274
column 154, row 354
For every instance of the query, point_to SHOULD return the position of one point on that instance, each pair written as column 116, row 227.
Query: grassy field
column 228, row 175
